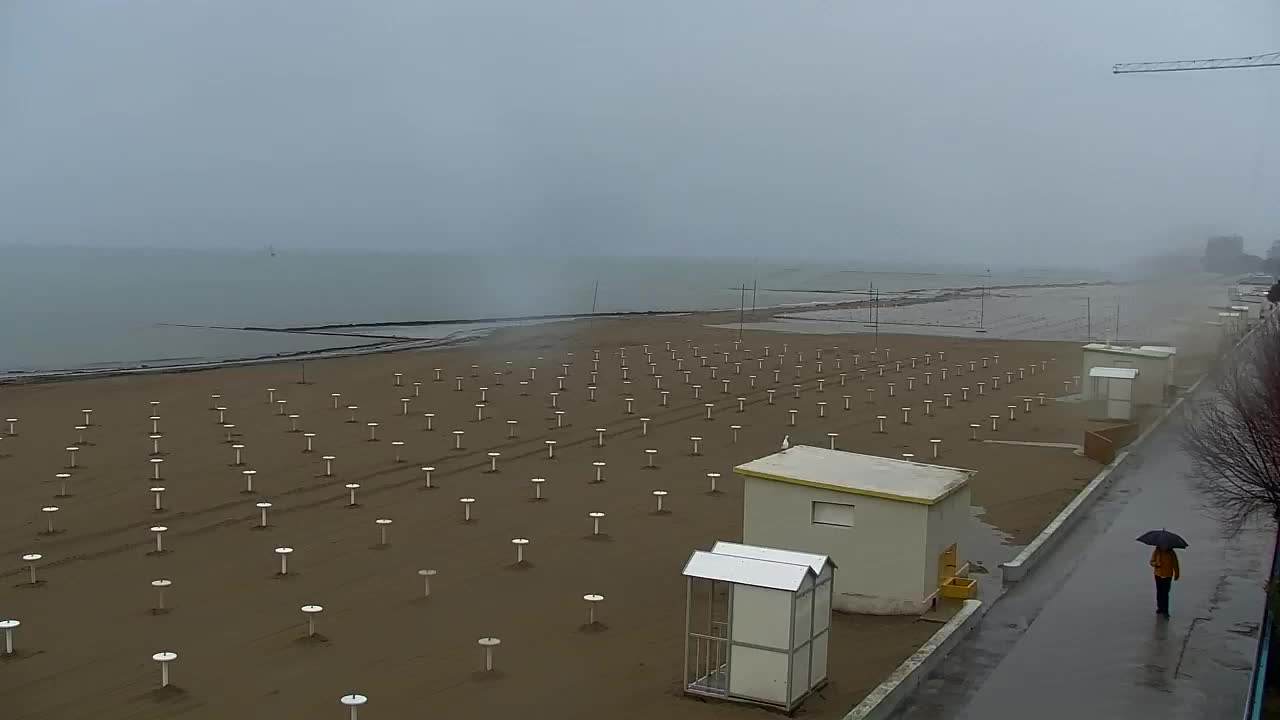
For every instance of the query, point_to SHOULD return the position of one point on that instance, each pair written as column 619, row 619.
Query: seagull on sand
column 786, row 442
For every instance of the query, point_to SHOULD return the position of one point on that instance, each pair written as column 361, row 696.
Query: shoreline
column 396, row 343
column 50, row 376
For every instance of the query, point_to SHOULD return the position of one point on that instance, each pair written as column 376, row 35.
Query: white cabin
column 1110, row 393
column 1149, row 388
column 891, row 525
column 757, row 624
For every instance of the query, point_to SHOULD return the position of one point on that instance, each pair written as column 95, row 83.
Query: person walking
column 1164, row 565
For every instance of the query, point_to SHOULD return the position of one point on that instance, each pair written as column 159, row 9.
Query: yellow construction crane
column 1251, row 61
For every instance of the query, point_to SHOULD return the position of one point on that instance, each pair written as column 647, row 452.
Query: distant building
column 1225, row 254
column 1224, row 246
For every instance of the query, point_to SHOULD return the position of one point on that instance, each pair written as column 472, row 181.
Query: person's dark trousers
column 1162, row 594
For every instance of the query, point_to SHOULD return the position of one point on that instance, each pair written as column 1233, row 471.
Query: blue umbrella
column 1163, row 539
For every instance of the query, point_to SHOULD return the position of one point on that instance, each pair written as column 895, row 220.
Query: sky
column 924, row 131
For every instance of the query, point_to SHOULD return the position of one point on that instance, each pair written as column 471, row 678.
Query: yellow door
column 947, row 565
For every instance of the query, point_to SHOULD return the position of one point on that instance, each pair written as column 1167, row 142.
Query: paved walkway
column 1079, row 637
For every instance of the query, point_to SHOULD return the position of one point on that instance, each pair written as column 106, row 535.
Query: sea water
column 67, row 308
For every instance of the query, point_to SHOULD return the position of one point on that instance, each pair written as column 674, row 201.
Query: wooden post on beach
column 31, row 559
column 354, row 701
column 426, row 581
column 64, row 480
column 158, row 531
column 742, row 305
column 8, row 625
column 263, row 507
column 488, row 643
column 592, row 599
column 659, row 495
column 164, row 658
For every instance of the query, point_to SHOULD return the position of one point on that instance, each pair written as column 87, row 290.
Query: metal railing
column 1258, row 677
column 709, row 666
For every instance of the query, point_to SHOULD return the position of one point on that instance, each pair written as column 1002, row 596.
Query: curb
column 881, row 702
column 1017, row 568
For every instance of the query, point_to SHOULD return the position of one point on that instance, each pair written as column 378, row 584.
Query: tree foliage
column 1233, row 434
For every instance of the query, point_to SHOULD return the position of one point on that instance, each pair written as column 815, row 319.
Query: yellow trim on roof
column 741, row 470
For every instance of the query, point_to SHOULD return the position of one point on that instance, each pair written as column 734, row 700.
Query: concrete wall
column 884, row 700
column 1102, row 444
column 1098, row 447
column 881, row 560
column 948, row 523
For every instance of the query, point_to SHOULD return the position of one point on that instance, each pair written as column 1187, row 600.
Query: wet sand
column 88, row 632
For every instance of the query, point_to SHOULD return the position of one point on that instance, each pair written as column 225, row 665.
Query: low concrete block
column 881, row 702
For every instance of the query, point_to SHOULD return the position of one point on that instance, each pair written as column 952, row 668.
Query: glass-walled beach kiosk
column 757, row 623
column 892, row 526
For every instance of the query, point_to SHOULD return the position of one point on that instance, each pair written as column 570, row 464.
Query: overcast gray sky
column 892, row 130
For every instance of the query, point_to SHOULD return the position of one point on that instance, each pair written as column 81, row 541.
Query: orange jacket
column 1164, row 562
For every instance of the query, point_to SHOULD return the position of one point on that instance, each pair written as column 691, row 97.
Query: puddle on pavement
column 984, row 547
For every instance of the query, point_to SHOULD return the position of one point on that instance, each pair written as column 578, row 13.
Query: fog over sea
column 74, row 308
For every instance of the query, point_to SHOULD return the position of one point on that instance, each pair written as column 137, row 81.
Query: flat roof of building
column 1123, row 350
column 1116, row 373
column 1166, row 349
column 858, row 474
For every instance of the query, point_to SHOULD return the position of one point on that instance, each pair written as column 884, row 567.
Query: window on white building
column 825, row 513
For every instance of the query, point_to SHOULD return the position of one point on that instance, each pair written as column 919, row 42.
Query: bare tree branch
column 1233, row 435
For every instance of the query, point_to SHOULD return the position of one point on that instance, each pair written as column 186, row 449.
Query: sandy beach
column 88, row 630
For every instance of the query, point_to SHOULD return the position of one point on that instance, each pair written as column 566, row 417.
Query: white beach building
column 1110, row 393
column 757, row 624
column 892, row 526
column 1148, row 388
column 1172, row 352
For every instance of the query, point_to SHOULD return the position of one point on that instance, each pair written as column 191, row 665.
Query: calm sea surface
column 83, row 308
